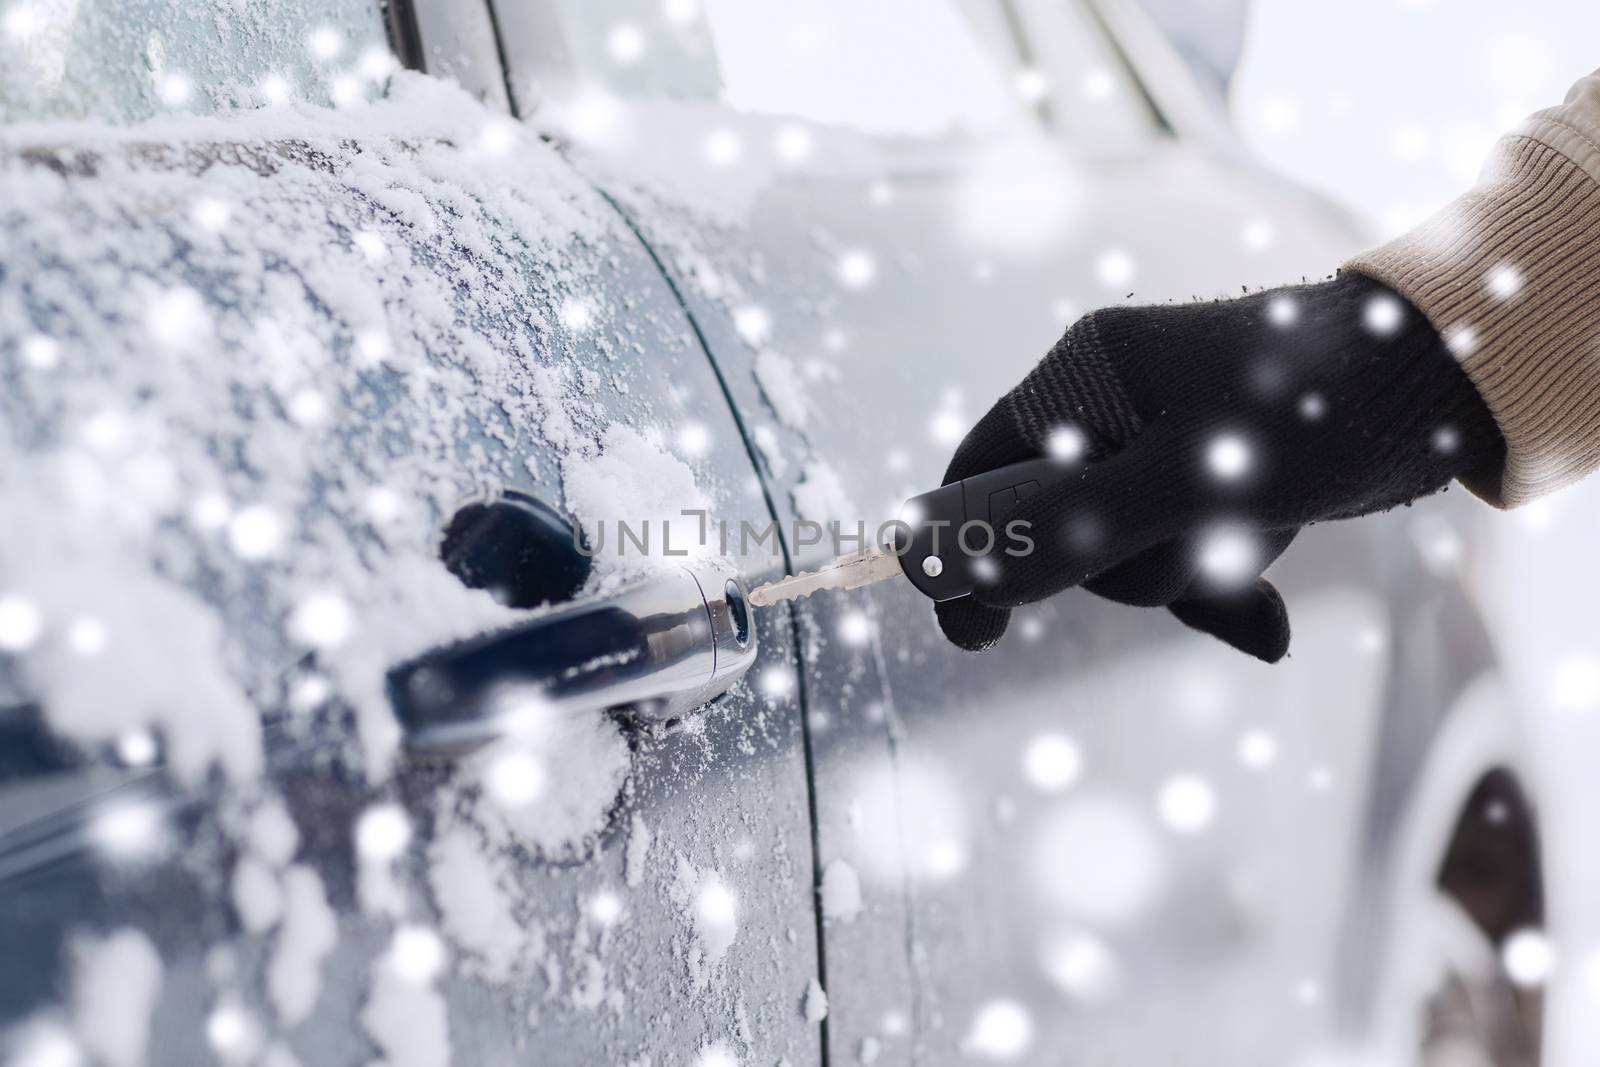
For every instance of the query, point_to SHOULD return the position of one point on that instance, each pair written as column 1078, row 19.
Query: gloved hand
column 1210, row 433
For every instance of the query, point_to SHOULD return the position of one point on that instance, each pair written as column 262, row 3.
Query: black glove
column 1210, row 434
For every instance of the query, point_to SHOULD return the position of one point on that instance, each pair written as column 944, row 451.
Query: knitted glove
column 1209, row 434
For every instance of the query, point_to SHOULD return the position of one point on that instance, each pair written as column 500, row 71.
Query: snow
column 1228, row 457
column 1187, row 803
column 815, row 1002
column 233, row 1032
column 1257, row 749
column 1097, row 861
column 116, row 982
column 1081, row 965
column 43, row 1042
column 1115, row 268
column 271, row 832
column 841, row 892
column 417, row 954
column 716, row 917
column 1001, row 1030
column 382, row 833
column 771, row 449
column 309, row 932
column 131, row 830
column 407, row 1020
column 551, row 788
column 1382, row 315
column 305, row 323
column 821, row 496
column 636, row 858
column 1052, row 762
column 783, row 388
column 1503, row 281
column 634, row 481
column 471, row 887
column 1528, row 958
column 257, row 896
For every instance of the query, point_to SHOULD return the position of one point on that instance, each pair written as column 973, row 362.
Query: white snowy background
column 1389, row 106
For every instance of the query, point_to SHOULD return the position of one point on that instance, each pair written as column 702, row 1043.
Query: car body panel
column 284, row 347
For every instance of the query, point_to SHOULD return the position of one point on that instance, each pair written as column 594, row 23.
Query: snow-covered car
column 333, row 336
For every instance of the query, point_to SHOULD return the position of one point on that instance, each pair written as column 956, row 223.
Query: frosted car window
column 125, row 60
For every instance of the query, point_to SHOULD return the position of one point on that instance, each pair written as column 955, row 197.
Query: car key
column 931, row 548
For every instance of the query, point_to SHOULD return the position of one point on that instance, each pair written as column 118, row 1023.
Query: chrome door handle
column 660, row 649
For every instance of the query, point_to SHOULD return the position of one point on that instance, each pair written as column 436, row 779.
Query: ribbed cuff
column 1509, row 274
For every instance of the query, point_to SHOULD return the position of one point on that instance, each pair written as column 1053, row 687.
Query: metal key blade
column 845, row 572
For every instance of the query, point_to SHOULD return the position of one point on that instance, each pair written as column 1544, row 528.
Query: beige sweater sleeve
column 1509, row 274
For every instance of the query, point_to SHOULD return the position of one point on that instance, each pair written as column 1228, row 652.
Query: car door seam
column 801, row 695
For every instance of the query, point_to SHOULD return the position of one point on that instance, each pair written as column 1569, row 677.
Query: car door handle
column 659, row 648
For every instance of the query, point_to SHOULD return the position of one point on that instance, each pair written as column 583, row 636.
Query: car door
column 879, row 219
column 296, row 396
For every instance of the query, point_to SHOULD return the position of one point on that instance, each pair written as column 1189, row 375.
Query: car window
column 124, row 60
column 907, row 68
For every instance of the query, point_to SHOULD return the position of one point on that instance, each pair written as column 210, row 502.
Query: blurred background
column 1389, row 107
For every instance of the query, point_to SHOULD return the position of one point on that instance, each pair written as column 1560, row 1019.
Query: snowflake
column 371, row 244
column 174, row 89
column 1258, row 749
column 1001, row 1030
column 1032, row 85
column 855, row 628
column 1228, row 457
column 1528, row 958
column 255, row 532
column 1052, row 762
column 345, row 90
column 1257, row 235
column 20, row 623
column 1098, row 84
column 723, row 148
column 87, row 636
column 382, row 833
column 41, row 352
column 416, row 954
column 1504, row 281
column 1187, row 803
column 377, row 63
column 1461, row 340
column 211, row 214
column 857, row 269
column 515, row 778
column 753, row 324
column 694, row 439
column 177, row 317
column 275, row 89
column 137, row 748
column 1382, row 314
column 625, row 44
column 129, row 830
column 793, row 144
column 325, row 43
column 1282, row 311
column 322, row 620
column 681, row 12
column 1066, row 443
column 1115, row 268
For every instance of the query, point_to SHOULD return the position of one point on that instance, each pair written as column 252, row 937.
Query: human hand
column 1209, row 433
